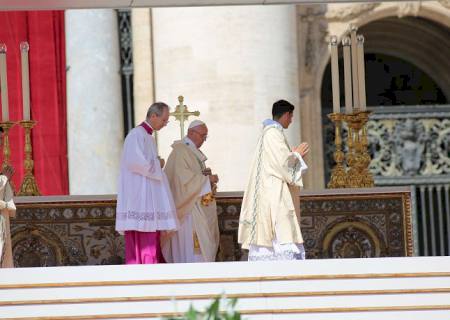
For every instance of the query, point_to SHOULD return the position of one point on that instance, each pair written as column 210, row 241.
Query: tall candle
column 356, row 104
column 347, row 75
column 4, row 83
column 335, row 74
column 24, row 47
column 361, row 73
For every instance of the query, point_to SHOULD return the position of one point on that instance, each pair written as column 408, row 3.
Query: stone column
column 141, row 22
column 94, row 101
column 313, row 57
column 231, row 64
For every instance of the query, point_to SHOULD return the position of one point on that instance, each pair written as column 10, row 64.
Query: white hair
column 156, row 108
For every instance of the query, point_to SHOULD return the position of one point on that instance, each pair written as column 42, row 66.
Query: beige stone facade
column 419, row 43
column 232, row 63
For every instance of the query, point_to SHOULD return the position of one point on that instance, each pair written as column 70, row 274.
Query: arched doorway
column 408, row 90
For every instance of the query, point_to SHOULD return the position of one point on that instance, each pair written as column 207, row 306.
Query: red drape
column 44, row 31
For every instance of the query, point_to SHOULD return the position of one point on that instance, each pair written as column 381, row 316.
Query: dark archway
column 391, row 81
column 406, row 64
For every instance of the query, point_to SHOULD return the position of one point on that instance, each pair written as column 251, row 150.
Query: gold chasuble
column 270, row 208
column 197, row 217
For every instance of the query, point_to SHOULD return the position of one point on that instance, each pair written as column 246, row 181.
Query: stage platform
column 376, row 288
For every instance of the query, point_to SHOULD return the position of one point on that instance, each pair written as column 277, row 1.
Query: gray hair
column 157, row 108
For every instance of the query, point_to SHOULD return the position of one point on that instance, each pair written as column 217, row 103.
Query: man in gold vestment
column 193, row 188
column 269, row 220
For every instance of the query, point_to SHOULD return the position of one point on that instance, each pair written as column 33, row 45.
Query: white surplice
column 144, row 199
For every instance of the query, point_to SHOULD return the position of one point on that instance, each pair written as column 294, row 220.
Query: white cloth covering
column 287, row 251
column 144, row 199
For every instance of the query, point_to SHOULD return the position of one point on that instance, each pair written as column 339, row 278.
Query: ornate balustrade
column 79, row 230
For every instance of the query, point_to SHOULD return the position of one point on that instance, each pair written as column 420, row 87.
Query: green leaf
column 213, row 310
column 191, row 314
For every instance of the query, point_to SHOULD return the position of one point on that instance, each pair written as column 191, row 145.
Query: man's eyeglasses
column 204, row 136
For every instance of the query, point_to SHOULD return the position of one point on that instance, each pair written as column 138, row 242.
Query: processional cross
column 182, row 113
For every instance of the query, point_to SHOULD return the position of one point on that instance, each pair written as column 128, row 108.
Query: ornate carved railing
column 126, row 66
column 79, row 230
column 410, row 146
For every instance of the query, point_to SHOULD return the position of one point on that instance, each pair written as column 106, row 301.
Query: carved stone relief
column 350, row 12
column 445, row 3
column 56, row 234
column 404, row 145
column 408, row 8
column 410, row 147
column 314, row 30
column 66, row 235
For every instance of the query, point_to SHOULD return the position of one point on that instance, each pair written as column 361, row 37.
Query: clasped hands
column 302, row 149
column 213, row 178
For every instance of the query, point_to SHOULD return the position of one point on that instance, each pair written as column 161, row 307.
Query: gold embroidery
column 196, row 244
column 209, row 197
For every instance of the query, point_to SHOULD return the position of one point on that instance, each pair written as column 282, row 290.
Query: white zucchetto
column 196, row 123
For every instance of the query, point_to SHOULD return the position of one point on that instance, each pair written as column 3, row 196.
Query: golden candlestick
column 356, row 117
column 6, row 126
column 29, row 186
column 367, row 180
column 358, row 157
column 338, row 174
column 352, row 174
column 353, row 161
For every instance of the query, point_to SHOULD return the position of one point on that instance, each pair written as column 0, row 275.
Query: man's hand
column 302, row 149
column 8, row 172
column 207, row 172
column 213, row 178
column 161, row 162
column 166, row 235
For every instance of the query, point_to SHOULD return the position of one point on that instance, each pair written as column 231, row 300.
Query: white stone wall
column 231, row 64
